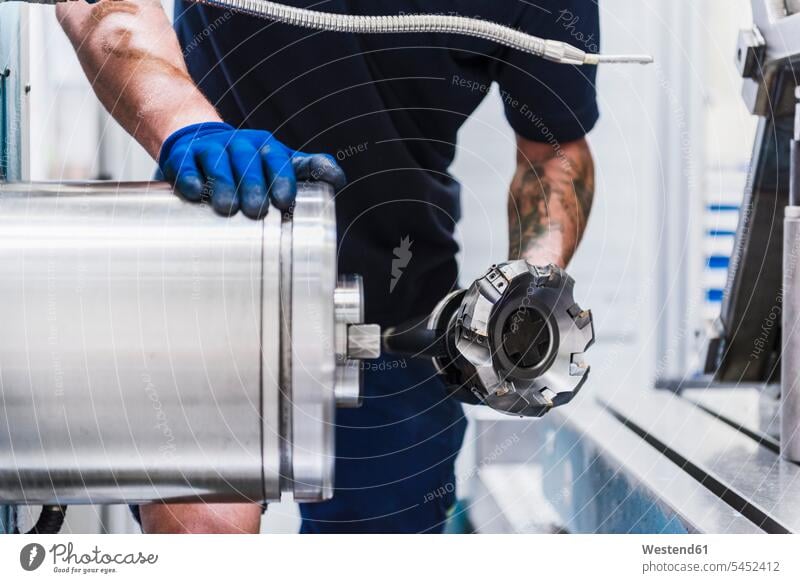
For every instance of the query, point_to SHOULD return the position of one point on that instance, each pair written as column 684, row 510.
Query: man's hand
column 549, row 201
column 240, row 169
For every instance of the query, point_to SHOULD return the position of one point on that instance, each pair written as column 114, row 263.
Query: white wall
column 72, row 137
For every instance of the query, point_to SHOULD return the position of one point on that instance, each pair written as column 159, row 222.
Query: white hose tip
column 618, row 59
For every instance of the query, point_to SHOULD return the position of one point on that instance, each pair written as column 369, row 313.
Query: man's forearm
column 131, row 55
column 550, row 200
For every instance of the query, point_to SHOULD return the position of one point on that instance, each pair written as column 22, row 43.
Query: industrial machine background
column 765, row 56
column 790, row 317
column 155, row 351
column 755, row 341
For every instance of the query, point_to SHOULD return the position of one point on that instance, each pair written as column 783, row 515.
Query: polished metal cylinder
column 154, row 351
column 790, row 359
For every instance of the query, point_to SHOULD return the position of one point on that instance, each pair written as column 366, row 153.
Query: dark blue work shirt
column 389, row 107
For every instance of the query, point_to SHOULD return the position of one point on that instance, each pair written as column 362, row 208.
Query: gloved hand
column 240, row 169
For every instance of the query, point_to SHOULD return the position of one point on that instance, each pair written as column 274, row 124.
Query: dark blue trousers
column 394, row 456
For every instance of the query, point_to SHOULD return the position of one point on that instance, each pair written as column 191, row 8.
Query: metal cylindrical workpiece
column 152, row 350
column 790, row 360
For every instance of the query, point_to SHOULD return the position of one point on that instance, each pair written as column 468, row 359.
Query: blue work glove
column 240, row 169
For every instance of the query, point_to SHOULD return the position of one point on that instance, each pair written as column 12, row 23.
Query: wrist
column 165, row 126
column 540, row 255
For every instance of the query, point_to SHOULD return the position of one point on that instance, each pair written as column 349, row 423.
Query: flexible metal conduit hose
column 556, row 51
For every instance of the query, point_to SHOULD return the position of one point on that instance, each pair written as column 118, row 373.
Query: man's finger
column 216, row 167
column 182, row 172
column 280, row 173
column 251, row 184
column 322, row 167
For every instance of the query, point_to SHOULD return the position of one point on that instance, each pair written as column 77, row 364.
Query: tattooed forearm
column 550, row 199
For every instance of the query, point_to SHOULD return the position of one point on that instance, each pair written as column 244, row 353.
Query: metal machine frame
column 765, row 57
column 752, row 343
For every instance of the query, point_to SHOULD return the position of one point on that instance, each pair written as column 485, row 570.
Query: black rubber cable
column 415, row 340
column 50, row 520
